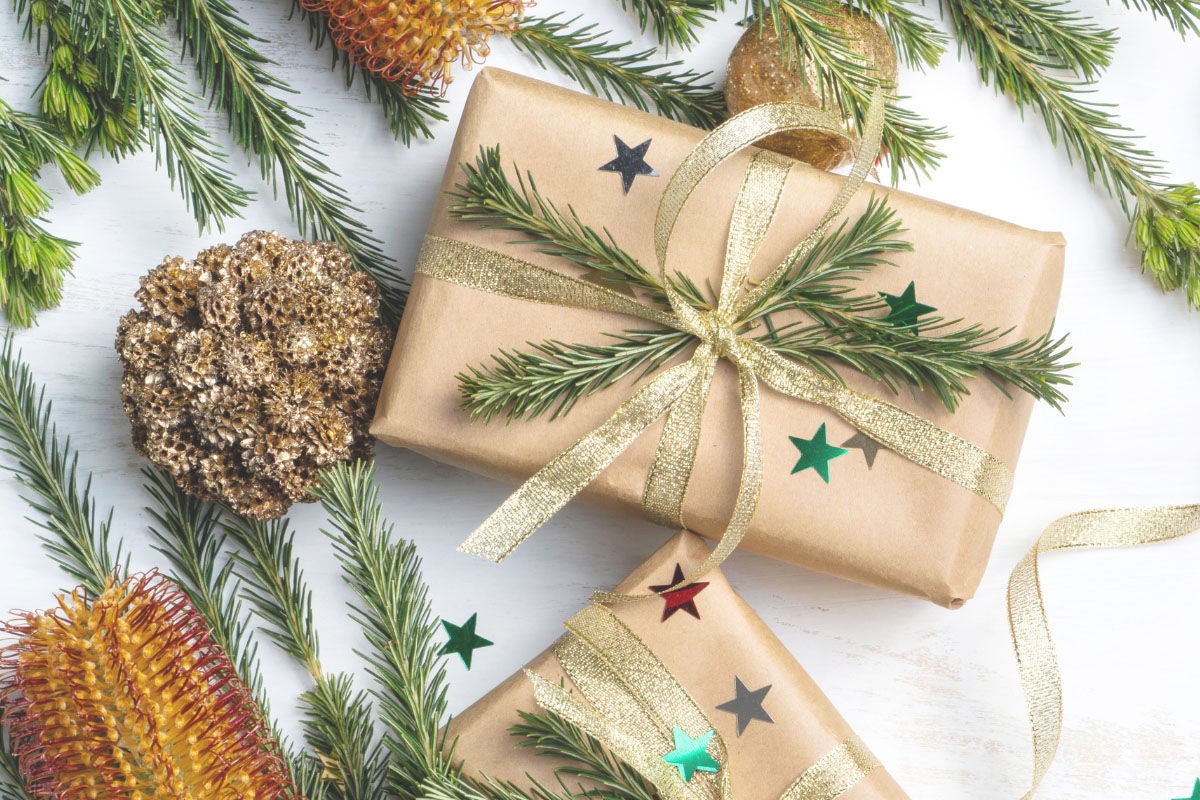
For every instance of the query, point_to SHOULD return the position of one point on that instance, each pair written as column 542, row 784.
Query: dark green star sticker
column 816, row 453
column 1195, row 792
column 905, row 310
column 463, row 640
column 691, row 755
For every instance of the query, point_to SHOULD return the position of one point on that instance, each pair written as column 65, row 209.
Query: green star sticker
column 463, row 640
column 691, row 755
column 816, row 453
column 1195, row 792
column 905, row 310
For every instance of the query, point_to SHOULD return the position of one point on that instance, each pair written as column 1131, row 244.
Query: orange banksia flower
column 417, row 43
column 127, row 697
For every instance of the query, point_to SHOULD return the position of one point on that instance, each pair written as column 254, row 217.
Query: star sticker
column 869, row 447
column 747, row 705
column 1195, row 792
column 681, row 599
column 905, row 310
column 630, row 162
column 816, row 453
column 463, row 640
column 691, row 755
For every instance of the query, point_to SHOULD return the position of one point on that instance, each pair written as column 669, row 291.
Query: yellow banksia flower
column 417, row 43
column 127, row 697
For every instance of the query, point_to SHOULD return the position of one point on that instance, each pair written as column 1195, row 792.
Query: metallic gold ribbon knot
column 681, row 392
column 630, row 702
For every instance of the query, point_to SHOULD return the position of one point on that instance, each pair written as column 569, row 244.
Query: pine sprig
column 410, row 117
column 608, row 69
column 918, row 43
column 585, row 758
column 909, row 143
column 676, row 23
column 134, row 61
column 236, row 76
column 394, row 612
column 1165, row 217
column 1182, row 15
column 48, row 467
column 339, row 727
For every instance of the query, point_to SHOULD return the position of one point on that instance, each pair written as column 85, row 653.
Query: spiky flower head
column 417, row 42
column 125, row 696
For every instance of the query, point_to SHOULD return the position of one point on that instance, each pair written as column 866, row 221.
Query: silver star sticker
column 630, row 162
column 747, row 705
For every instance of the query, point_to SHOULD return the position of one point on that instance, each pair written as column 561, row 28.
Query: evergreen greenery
column 674, row 22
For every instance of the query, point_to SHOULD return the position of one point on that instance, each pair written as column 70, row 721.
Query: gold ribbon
column 630, row 702
column 1036, row 659
column 681, row 392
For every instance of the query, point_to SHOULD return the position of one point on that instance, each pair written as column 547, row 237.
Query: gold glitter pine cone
column 126, row 695
column 416, row 42
column 253, row 367
column 758, row 74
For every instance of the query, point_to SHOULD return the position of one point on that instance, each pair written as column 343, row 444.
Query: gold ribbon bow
column 1036, row 659
column 681, row 392
column 633, row 703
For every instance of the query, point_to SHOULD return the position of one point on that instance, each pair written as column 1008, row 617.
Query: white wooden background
column 934, row 692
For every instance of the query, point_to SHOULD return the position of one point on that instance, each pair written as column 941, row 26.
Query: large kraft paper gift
column 717, row 652
column 884, row 521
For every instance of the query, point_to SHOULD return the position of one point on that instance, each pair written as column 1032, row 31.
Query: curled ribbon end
column 478, row 549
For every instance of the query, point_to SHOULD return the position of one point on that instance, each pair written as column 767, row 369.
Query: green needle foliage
column 584, row 758
column 48, row 468
column 33, row 261
column 918, row 43
column 1182, row 15
column 676, row 23
column 1013, row 44
column 235, row 75
column 843, row 77
column 11, row 785
column 587, row 55
column 838, row 328
column 408, row 116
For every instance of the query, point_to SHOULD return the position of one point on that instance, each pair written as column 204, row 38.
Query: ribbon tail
column 836, row 773
column 553, row 486
column 1034, row 647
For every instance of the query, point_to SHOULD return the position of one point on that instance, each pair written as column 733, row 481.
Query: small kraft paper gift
column 692, row 690
column 682, row 325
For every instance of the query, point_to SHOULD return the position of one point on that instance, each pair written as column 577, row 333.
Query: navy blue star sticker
column 630, row 162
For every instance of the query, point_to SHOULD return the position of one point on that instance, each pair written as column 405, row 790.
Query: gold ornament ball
column 758, row 74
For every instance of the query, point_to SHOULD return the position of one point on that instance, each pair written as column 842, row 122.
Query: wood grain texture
column 933, row 692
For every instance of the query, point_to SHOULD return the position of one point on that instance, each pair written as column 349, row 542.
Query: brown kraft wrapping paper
column 893, row 525
column 704, row 655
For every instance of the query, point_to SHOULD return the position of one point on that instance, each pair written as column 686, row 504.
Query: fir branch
column 1165, row 217
column 608, row 69
column 33, row 262
column 918, row 43
column 554, row 375
column 134, row 61
column 1182, row 15
column 909, row 143
column 408, row 116
column 49, row 469
column 235, row 75
column 73, row 98
column 395, row 615
column 676, row 23
column 587, row 760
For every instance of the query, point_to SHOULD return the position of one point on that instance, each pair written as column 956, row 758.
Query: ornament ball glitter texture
column 253, row 367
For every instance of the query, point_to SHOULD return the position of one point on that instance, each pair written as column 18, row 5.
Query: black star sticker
column 630, row 162
column 869, row 447
column 747, row 705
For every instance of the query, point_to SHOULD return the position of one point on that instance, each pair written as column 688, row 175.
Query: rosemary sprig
column 909, row 143
column 584, row 757
column 609, row 69
column 394, row 612
column 33, row 262
column 1165, row 217
column 235, row 75
column 918, row 43
column 48, row 467
column 676, row 23
column 1182, row 15
column 408, row 116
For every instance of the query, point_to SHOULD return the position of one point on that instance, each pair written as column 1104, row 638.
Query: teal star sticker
column 816, row 453
column 691, row 755
column 905, row 310
column 1195, row 792
column 463, row 640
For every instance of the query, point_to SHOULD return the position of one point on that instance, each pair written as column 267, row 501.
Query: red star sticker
column 681, row 599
